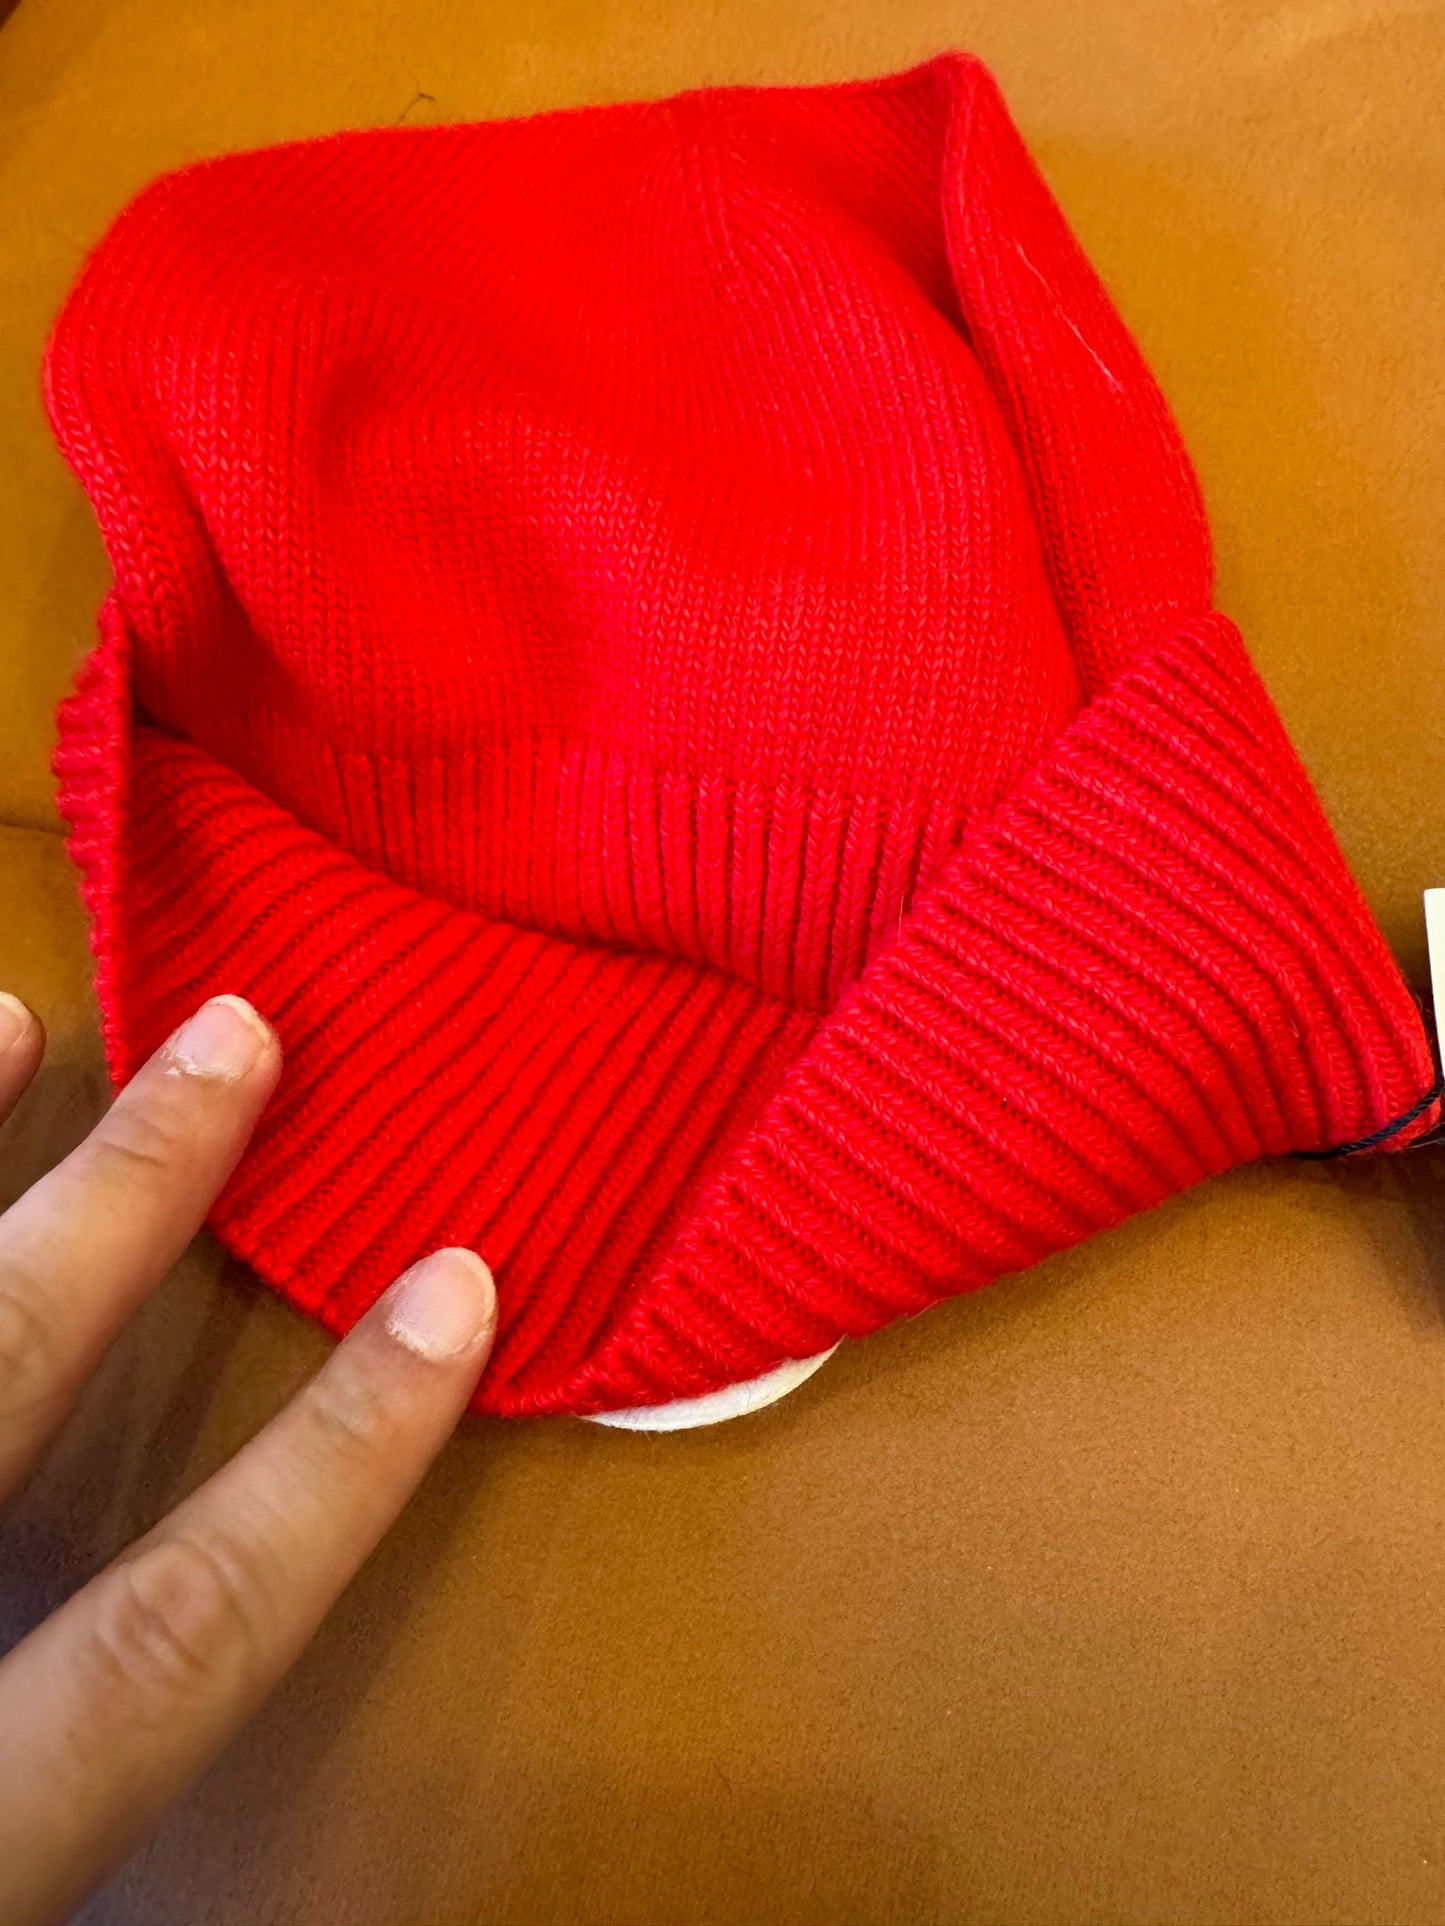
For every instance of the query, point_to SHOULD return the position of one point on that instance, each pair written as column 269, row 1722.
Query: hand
column 111, row 1707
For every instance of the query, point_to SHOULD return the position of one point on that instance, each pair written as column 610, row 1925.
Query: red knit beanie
column 668, row 648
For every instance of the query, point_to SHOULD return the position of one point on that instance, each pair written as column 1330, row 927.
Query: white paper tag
column 1435, row 937
column 733, row 1401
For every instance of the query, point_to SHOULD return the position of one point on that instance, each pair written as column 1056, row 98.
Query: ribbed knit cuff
column 1148, row 964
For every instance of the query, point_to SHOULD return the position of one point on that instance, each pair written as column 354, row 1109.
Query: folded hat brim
column 1148, row 964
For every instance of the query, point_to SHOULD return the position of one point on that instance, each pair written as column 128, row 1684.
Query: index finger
column 111, row 1707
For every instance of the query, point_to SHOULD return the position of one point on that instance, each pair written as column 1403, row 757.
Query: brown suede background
column 1116, row 1593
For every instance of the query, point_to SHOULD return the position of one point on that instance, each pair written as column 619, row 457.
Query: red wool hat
column 668, row 648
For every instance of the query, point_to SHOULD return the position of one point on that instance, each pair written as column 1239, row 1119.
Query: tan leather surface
column 1114, row 1594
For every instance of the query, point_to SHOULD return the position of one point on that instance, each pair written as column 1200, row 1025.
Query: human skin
column 113, row 1705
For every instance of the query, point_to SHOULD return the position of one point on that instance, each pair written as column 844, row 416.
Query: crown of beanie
column 669, row 649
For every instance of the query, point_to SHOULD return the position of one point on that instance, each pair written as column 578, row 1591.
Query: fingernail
column 14, row 1020
column 225, row 1038
column 444, row 1306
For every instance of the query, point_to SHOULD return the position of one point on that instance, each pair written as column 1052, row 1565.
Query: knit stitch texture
column 669, row 649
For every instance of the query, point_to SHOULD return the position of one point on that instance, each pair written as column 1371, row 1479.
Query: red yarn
column 669, row 649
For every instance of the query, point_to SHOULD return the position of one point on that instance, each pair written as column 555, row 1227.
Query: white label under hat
column 733, row 1401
